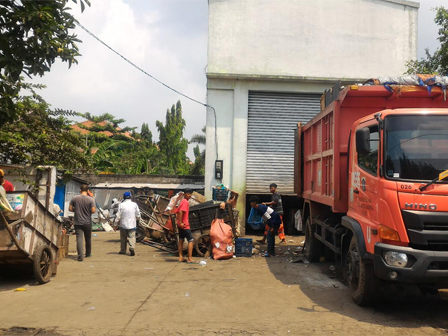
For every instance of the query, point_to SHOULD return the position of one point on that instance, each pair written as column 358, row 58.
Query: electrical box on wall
column 218, row 169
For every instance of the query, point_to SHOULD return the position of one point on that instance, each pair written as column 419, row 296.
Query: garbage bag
column 221, row 239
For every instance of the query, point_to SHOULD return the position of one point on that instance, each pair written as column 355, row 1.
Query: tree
column 40, row 136
column 436, row 63
column 33, row 34
column 199, row 163
column 146, row 134
column 173, row 146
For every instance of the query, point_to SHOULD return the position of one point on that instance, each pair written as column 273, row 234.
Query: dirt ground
column 153, row 294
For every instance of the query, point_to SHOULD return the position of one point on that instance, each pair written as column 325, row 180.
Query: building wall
column 318, row 38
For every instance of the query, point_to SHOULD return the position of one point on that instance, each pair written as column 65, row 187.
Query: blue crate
column 243, row 247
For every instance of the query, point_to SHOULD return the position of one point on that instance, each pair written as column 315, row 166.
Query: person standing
column 83, row 206
column 184, row 226
column 5, row 183
column 272, row 220
column 277, row 205
column 128, row 214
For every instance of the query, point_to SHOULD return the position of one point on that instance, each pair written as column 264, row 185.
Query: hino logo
column 420, row 206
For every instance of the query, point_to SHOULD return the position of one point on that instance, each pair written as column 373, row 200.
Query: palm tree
column 198, row 167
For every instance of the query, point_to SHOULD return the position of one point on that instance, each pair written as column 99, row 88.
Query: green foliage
column 198, row 167
column 33, row 35
column 436, row 63
column 39, row 136
column 146, row 134
column 173, row 146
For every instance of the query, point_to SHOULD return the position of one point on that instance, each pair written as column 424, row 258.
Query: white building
column 268, row 65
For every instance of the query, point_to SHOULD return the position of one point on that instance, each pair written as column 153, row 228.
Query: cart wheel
column 168, row 237
column 43, row 261
column 202, row 245
column 140, row 234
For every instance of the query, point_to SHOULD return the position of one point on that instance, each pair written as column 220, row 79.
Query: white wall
column 318, row 38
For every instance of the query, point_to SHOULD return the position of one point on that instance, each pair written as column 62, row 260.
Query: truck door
column 364, row 181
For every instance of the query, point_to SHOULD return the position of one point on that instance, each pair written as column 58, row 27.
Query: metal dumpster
column 29, row 238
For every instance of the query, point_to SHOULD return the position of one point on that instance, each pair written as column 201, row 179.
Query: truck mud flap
column 355, row 227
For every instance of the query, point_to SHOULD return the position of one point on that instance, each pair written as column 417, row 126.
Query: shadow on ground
column 398, row 306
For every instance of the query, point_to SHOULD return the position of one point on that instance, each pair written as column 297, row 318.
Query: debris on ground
column 298, row 259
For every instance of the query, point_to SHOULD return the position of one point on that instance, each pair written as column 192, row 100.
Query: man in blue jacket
column 271, row 218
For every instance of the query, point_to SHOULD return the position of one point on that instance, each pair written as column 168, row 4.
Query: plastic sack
column 4, row 204
column 298, row 220
column 221, row 240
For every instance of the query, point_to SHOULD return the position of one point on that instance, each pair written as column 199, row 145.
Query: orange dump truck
column 371, row 168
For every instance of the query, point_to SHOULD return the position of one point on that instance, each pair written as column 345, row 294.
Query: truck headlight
column 396, row 259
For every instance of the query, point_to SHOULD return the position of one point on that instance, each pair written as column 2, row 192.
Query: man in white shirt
column 128, row 214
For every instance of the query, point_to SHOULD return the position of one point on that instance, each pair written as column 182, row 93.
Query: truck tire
column 361, row 278
column 313, row 247
column 43, row 261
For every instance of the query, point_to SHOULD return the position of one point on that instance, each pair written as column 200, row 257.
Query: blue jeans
column 271, row 241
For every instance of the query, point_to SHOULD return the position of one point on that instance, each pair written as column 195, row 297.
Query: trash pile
column 213, row 223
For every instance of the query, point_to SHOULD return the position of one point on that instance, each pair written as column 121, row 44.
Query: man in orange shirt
column 5, row 183
column 184, row 227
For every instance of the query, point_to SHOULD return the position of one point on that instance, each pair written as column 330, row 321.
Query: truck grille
column 427, row 230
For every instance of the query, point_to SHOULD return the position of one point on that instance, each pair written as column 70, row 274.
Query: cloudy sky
column 168, row 39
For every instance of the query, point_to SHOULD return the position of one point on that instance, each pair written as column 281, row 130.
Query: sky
column 166, row 38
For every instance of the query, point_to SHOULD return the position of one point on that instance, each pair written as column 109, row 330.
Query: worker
column 128, row 215
column 5, row 183
column 277, row 205
column 83, row 206
column 184, row 227
column 271, row 219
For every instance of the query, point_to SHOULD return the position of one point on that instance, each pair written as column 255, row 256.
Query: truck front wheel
column 360, row 276
column 313, row 247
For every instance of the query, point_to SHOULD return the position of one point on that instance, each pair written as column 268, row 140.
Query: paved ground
column 153, row 294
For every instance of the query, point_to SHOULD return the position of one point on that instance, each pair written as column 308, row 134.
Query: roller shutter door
column 272, row 120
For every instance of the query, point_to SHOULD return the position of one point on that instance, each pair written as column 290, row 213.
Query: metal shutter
column 272, row 120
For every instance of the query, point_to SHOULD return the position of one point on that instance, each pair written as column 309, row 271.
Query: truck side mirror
column 362, row 140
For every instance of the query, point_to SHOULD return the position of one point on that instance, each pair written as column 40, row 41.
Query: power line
column 157, row 80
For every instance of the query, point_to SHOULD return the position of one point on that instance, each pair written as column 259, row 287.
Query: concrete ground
column 153, row 294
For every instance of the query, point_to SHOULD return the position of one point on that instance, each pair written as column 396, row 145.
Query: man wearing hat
column 128, row 214
column 5, row 183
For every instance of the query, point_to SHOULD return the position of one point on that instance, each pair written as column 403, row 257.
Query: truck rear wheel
column 360, row 276
column 313, row 247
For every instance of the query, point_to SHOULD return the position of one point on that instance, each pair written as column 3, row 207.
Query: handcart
column 201, row 217
column 29, row 238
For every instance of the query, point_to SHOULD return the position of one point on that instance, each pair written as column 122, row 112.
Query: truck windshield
column 416, row 146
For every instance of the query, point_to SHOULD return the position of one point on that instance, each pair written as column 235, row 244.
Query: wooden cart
column 29, row 238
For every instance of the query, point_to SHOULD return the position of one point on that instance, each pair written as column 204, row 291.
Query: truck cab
column 396, row 196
